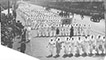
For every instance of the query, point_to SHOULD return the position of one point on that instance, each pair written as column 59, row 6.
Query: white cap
column 86, row 39
column 29, row 38
column 29, row 28
column 98, row 36
column 103, row 38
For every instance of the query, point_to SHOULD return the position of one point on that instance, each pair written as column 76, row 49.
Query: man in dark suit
column 22, row 47
column 23, row 42
column 57, row 31
column 58, row 47
column 71, row 31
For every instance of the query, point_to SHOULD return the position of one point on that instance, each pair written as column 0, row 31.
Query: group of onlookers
column 8, row 30
column 12, row 30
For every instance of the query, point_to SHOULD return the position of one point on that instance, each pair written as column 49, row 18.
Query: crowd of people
column 47, row 23
column 38, row 17
column 12, row 30
column 79, row 41
column 90, row 45
column 7, row 29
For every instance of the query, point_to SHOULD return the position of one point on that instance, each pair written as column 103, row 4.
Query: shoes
column 49, row 56
column 65, row 55
column 84, row 54
column 56, row 56
column 70, row 55
column 102, row 54
column 97, row 54
column 77, row 55
column 91, row 54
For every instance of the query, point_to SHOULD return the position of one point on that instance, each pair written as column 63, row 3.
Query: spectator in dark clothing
column 57, row 31
column 61, row 14
column 23, row 47
column 19, row 27
column 23, row 42
column 23, row 36
column 14, row 14
column 82, row 15
column 19, row 24
column 10, row 44
column 71, row 32
column 58, row 48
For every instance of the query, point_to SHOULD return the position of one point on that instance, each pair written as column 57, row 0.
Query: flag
column 66, row 21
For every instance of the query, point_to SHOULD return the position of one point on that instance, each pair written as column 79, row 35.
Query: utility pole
column 104, row 1
column 0, row 12
column 8, row 9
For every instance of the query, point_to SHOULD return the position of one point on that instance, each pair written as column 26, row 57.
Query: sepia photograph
column 54, row 29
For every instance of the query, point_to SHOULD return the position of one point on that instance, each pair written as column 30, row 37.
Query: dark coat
column 23, row 47
column 71, row 32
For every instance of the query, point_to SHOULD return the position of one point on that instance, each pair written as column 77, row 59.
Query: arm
column 28, row 41
column 19, row 41
column 19, row 48
column 48, row 45
column 61, row 42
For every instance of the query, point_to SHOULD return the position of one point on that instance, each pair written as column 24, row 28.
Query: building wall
column 63, row 0
column 82, row 0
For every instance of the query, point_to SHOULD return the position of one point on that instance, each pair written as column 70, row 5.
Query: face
column 103, row 38
column 84, row 25
column 76, row 24
column 72, row 39
column 67, row 39
column 51, row 41
column 99, row 37
column 58, row 40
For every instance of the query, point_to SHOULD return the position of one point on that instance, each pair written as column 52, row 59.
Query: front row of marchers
column 77, row 47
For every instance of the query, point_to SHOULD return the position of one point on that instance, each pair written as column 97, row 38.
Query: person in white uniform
column 66, row 47
column 51, row 47
column 78, row 39
column 76, row 30
column 75, row 46
column 71, row 47
column 91, row 45
column 84, row 47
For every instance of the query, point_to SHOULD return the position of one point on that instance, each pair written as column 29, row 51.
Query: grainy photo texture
column 54, row 29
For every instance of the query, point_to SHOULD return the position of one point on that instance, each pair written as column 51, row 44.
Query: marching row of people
column 78, row 46
column 31, row 13
column 65, row 30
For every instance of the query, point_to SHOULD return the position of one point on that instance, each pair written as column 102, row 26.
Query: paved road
column 39, row 50
column 37, row 46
